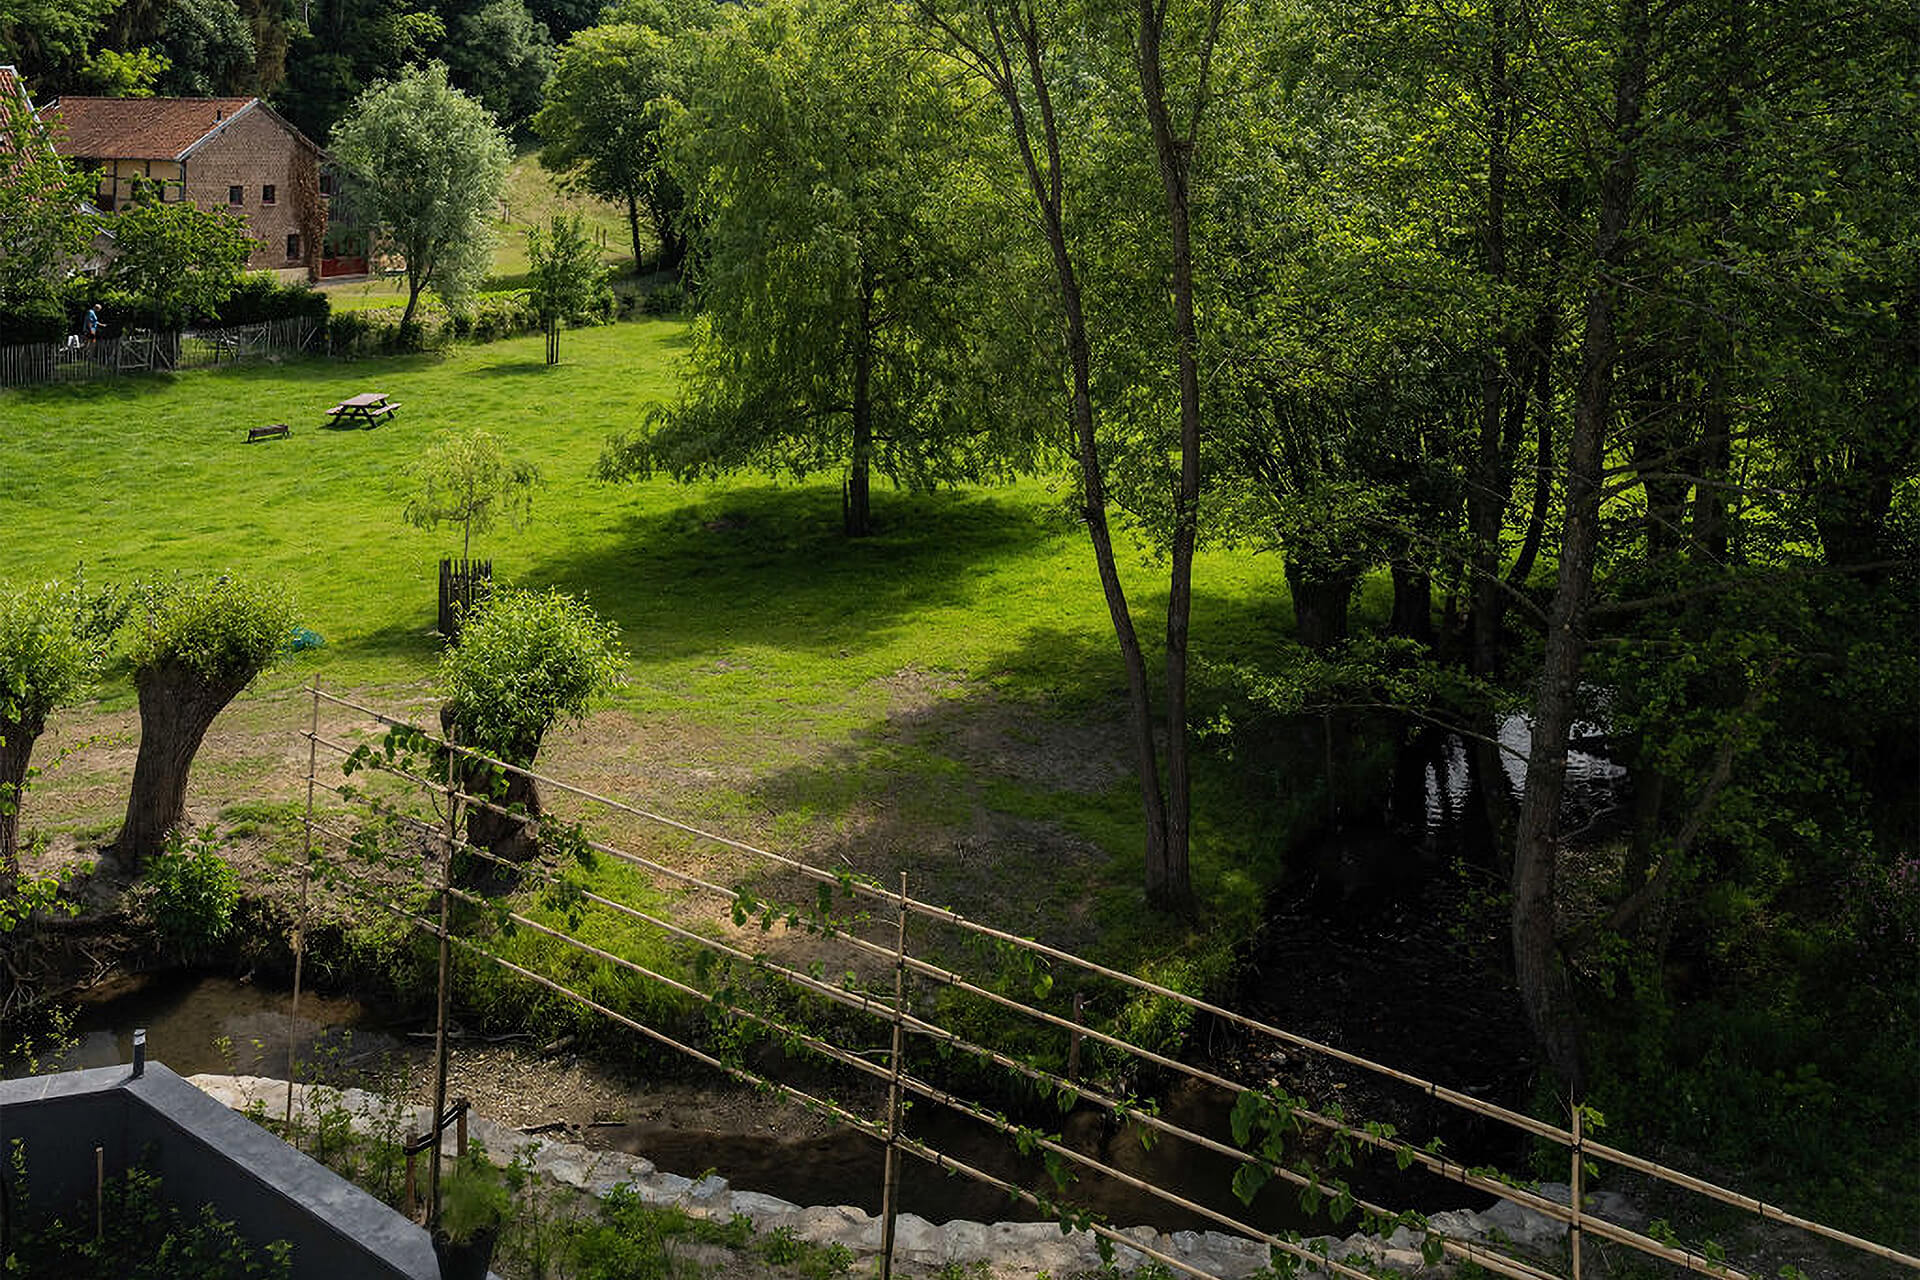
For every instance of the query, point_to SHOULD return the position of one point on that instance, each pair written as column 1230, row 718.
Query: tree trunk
column 1543, row 337
column 514, row 836
column 16, row 749
column 1168, row 884
column 414, row 286
column 1046, row 183
column 1320, row 603
column 858, row 516
column 177, row 706
column 1545, row 990
column 1412, row 603
column 1489, row 482
column 633, row 228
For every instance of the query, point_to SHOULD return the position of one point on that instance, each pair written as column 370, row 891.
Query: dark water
column 199, row 1023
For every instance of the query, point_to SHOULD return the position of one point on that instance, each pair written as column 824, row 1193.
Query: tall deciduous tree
column 43, row 225
column 198, row 646
column 430, row 164
column 209, row 47
column 840, row 270
column 37, row 36
column 501, row 55
column 600, row 127
column 1108, row 110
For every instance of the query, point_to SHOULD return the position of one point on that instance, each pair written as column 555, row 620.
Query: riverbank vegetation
column 1551, row 362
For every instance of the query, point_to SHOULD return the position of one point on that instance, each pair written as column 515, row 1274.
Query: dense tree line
column 1589, row 325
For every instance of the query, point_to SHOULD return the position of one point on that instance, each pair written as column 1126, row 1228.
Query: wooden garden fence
column 75, row 360
column 887, row 937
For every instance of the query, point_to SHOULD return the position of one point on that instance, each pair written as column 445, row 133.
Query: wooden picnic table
column 369, row 407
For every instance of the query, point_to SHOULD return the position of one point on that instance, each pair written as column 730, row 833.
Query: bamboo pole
column 440, row 1008
column 890, row 1185
column 300, row 920
column 1575, row 1187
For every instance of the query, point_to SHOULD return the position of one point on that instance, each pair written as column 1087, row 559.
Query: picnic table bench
column 369, row 408
column 278, row 430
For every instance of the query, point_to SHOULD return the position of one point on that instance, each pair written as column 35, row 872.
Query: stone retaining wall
column 1012, row 1249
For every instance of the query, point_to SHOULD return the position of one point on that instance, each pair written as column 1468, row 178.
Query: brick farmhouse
column 231, row 154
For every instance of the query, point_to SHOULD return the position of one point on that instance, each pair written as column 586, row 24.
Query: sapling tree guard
column 198, row 645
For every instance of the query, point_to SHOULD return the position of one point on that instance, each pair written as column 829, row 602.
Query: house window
column 266, row 193
column 293, row 247
column 236, row 195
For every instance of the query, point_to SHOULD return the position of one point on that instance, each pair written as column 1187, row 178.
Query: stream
column 1364, row 950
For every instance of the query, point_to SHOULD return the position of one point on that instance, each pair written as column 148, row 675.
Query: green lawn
column 955, row 674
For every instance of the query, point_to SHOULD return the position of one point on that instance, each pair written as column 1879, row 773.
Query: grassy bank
column 944, row 696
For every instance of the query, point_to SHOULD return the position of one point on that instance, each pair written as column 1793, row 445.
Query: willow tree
column 428, row 164
column 198, row 646
column 47, row 657
column 842, row 264
column 526, row 662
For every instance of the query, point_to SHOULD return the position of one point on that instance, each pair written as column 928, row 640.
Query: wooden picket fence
column 75, row 360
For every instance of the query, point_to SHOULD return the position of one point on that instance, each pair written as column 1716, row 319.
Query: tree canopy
column 470, row 480
column 429, row 164
column 841, row 272
column 600, row 126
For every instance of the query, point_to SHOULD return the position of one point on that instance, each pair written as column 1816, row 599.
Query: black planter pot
column 467, row 1260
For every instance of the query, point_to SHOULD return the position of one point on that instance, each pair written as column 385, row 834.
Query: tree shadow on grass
column 411, row 640
column 1017, row 807
column 770, row 566
column 516, row 368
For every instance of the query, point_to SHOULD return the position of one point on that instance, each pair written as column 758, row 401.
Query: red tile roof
column 138, row 128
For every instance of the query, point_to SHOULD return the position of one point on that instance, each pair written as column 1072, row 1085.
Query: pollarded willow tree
column 429, row 164
column 52, row 642
column 526, row 662
column 844, row 261
column 198, row 645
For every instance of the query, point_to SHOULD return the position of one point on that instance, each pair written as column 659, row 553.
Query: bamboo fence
column 893, row 1012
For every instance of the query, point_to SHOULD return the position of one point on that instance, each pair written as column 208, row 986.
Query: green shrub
column 191, row 892
column 145, row 1237
column 261, row 296
column 34, row 321
column 668, row 299
column 473, row 1196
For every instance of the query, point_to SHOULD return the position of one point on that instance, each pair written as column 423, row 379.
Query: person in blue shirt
column 92, row 324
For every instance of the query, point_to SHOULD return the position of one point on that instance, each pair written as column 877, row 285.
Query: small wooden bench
column 278, row 431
